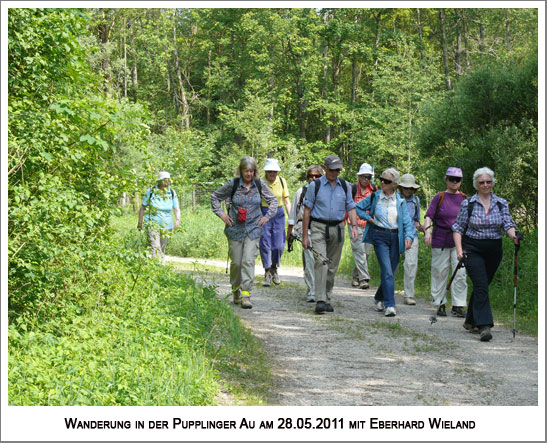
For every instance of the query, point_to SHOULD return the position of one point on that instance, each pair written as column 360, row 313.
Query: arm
column 428, row 223
column 353, row 219
column 287, row 204
column 219, row 195
column 305, row 226
column 407, row 226
column 458, row 241
column 177, row 218
column 419, row 226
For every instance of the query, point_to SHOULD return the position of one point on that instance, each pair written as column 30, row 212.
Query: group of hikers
column 459, row 230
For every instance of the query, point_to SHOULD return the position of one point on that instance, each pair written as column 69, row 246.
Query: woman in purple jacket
column 440, row 216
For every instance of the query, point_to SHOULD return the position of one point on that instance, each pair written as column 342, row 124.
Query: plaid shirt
column 480, row 225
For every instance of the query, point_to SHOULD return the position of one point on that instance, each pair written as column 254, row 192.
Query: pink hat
column 454, row 172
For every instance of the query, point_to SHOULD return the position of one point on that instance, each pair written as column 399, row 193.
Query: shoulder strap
column 374, row 187
column 317, row 182
column 235, row 185
column 258, row 184
column 441, row 198
column 344, row 184
column 281, row 179
column 301, row 199
column 353, row 190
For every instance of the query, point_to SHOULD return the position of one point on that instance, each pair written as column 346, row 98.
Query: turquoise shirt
column 160, row 207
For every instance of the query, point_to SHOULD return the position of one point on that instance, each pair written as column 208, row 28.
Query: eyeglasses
column 486, row 182
column 314, row 176
column 386, row 181
column 454, row 179
column 335, row 170
column 404, row 188
column 366, row 177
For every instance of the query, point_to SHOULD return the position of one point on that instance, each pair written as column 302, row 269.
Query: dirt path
column 357, row 357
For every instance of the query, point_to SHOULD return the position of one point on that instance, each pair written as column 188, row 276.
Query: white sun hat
column 272, row 165
column 366, row 169
column 163, row 175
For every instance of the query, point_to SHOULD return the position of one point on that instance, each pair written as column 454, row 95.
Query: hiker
column 407, row 188
column 325, row 205
column 440, row 216
column 363, row 188
column 244, row 224
column 158, row 204
column 272, row 241
column 477, row 234
column 389, row 229
column 295, row 223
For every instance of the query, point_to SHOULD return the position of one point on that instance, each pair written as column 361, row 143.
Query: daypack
column 354, row 189
column 301, row 199
column 343, row 182
column 441, row 198
column 470, row 205
column 235, row 185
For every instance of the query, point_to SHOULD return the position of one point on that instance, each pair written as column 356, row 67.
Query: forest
column 100, row 100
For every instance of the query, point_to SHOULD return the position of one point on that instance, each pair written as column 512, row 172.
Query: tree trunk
column 377, row 41
column 125, row 57
column 445, row 51
column 465, row 40
column 481, row 38
column 181, row 96
column 459, row 47
column 324, row 94
column 418, row 14
column 507, row 31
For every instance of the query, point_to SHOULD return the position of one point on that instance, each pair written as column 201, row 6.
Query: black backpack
column 354, row 189
column 470, row 206
column 235, row 185
column 343, row 182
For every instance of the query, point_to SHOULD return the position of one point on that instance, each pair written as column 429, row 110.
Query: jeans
column 386, row 248
column 483, row 259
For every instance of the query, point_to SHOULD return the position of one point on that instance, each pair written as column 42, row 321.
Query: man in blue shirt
column 324, row 212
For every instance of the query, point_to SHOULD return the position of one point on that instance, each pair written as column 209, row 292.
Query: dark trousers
column 483, row 259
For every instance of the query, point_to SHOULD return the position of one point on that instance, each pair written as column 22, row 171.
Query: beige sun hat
column 408, row 181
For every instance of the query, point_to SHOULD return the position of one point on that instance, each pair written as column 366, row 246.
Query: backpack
column 354, row 189
column 235, row 185
column 470, row 205
column 301, row 199
column 343, row 183
column 439, row 205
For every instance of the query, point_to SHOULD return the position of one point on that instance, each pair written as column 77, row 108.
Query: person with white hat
column 407, row 187
column 158, row 205
column 273, row 239
column 361, row 251
column 441, row 215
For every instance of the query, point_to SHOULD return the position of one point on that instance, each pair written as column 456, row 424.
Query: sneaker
column 246, row 300
column 410, row 301
column 310, row 299
column 275, row 276
column 320, row 307
column 379, row 306
column 390, row 311
column 457, row 311
column 329, row 308
column 469, row 327
column 355, row 282
column 363, row 284
column 441, row 312
column 486, row 335
column 237, row 296
column 267, row 278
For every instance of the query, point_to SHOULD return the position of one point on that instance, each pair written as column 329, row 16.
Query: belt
column 385, row 229
column 326, row 222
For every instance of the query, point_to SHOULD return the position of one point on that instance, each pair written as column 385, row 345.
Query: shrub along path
column 357, row 357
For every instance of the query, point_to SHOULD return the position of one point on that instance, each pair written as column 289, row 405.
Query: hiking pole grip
column 458, row 266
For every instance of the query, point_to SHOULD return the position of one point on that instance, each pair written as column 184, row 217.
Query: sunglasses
column 335, row 170
column 386, row 181
column 404, row 188
column 314, row 176
column 366, row 177
column 454, row 179
column 487, row 182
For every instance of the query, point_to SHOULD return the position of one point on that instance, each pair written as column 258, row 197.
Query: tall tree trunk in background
column 377, row 41
column 105, row 32
column 465, row 39
column 324, row 94
column 445, row 51
column 125, row 70
column 459, row 47
column 181, row 96
column 507, row 30
column 419, row 24
column 481, row 38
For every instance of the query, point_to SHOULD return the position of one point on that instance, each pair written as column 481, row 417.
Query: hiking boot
column 469, row 327
column 267, row 278
column 237, row 296
column 486, row 335
column 320, row 307
column 410, row 301
column 275, row 276
column 329, row 308
column 246, row 300
column 379, row 306
column 441, row 312
column 363, row 284
column 390, row 311
column 310, row 299
column 457, row 311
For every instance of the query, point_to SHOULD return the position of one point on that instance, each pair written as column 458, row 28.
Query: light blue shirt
column 159, row 211
column 413, row 206
column 331, row 203
column 386, row 211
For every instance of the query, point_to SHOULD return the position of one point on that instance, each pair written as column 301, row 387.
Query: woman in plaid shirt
column 479, row 235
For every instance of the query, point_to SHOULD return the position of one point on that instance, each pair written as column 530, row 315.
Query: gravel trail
column 357, row 357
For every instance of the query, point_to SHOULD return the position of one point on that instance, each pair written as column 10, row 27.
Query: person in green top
column 158, row 205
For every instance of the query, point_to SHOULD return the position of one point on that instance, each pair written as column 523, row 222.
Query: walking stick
column 316, row 254
column 433, row 318
column 520, row 237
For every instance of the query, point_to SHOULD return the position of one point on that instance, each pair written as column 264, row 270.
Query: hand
column 177, row 224
column 420, row 228
column 305, row 242
column 227, row 219
column 516, row 240
column 354, row 233
column 262, row 221
column 459, row 255
column 408, row 244
column 427, row 238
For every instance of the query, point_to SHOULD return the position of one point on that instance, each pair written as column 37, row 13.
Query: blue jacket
column 365, row 209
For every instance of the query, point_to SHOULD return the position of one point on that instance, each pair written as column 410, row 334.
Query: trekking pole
column 520, row 237
column 433, row 318
column 227, row 261
column 316, row 254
